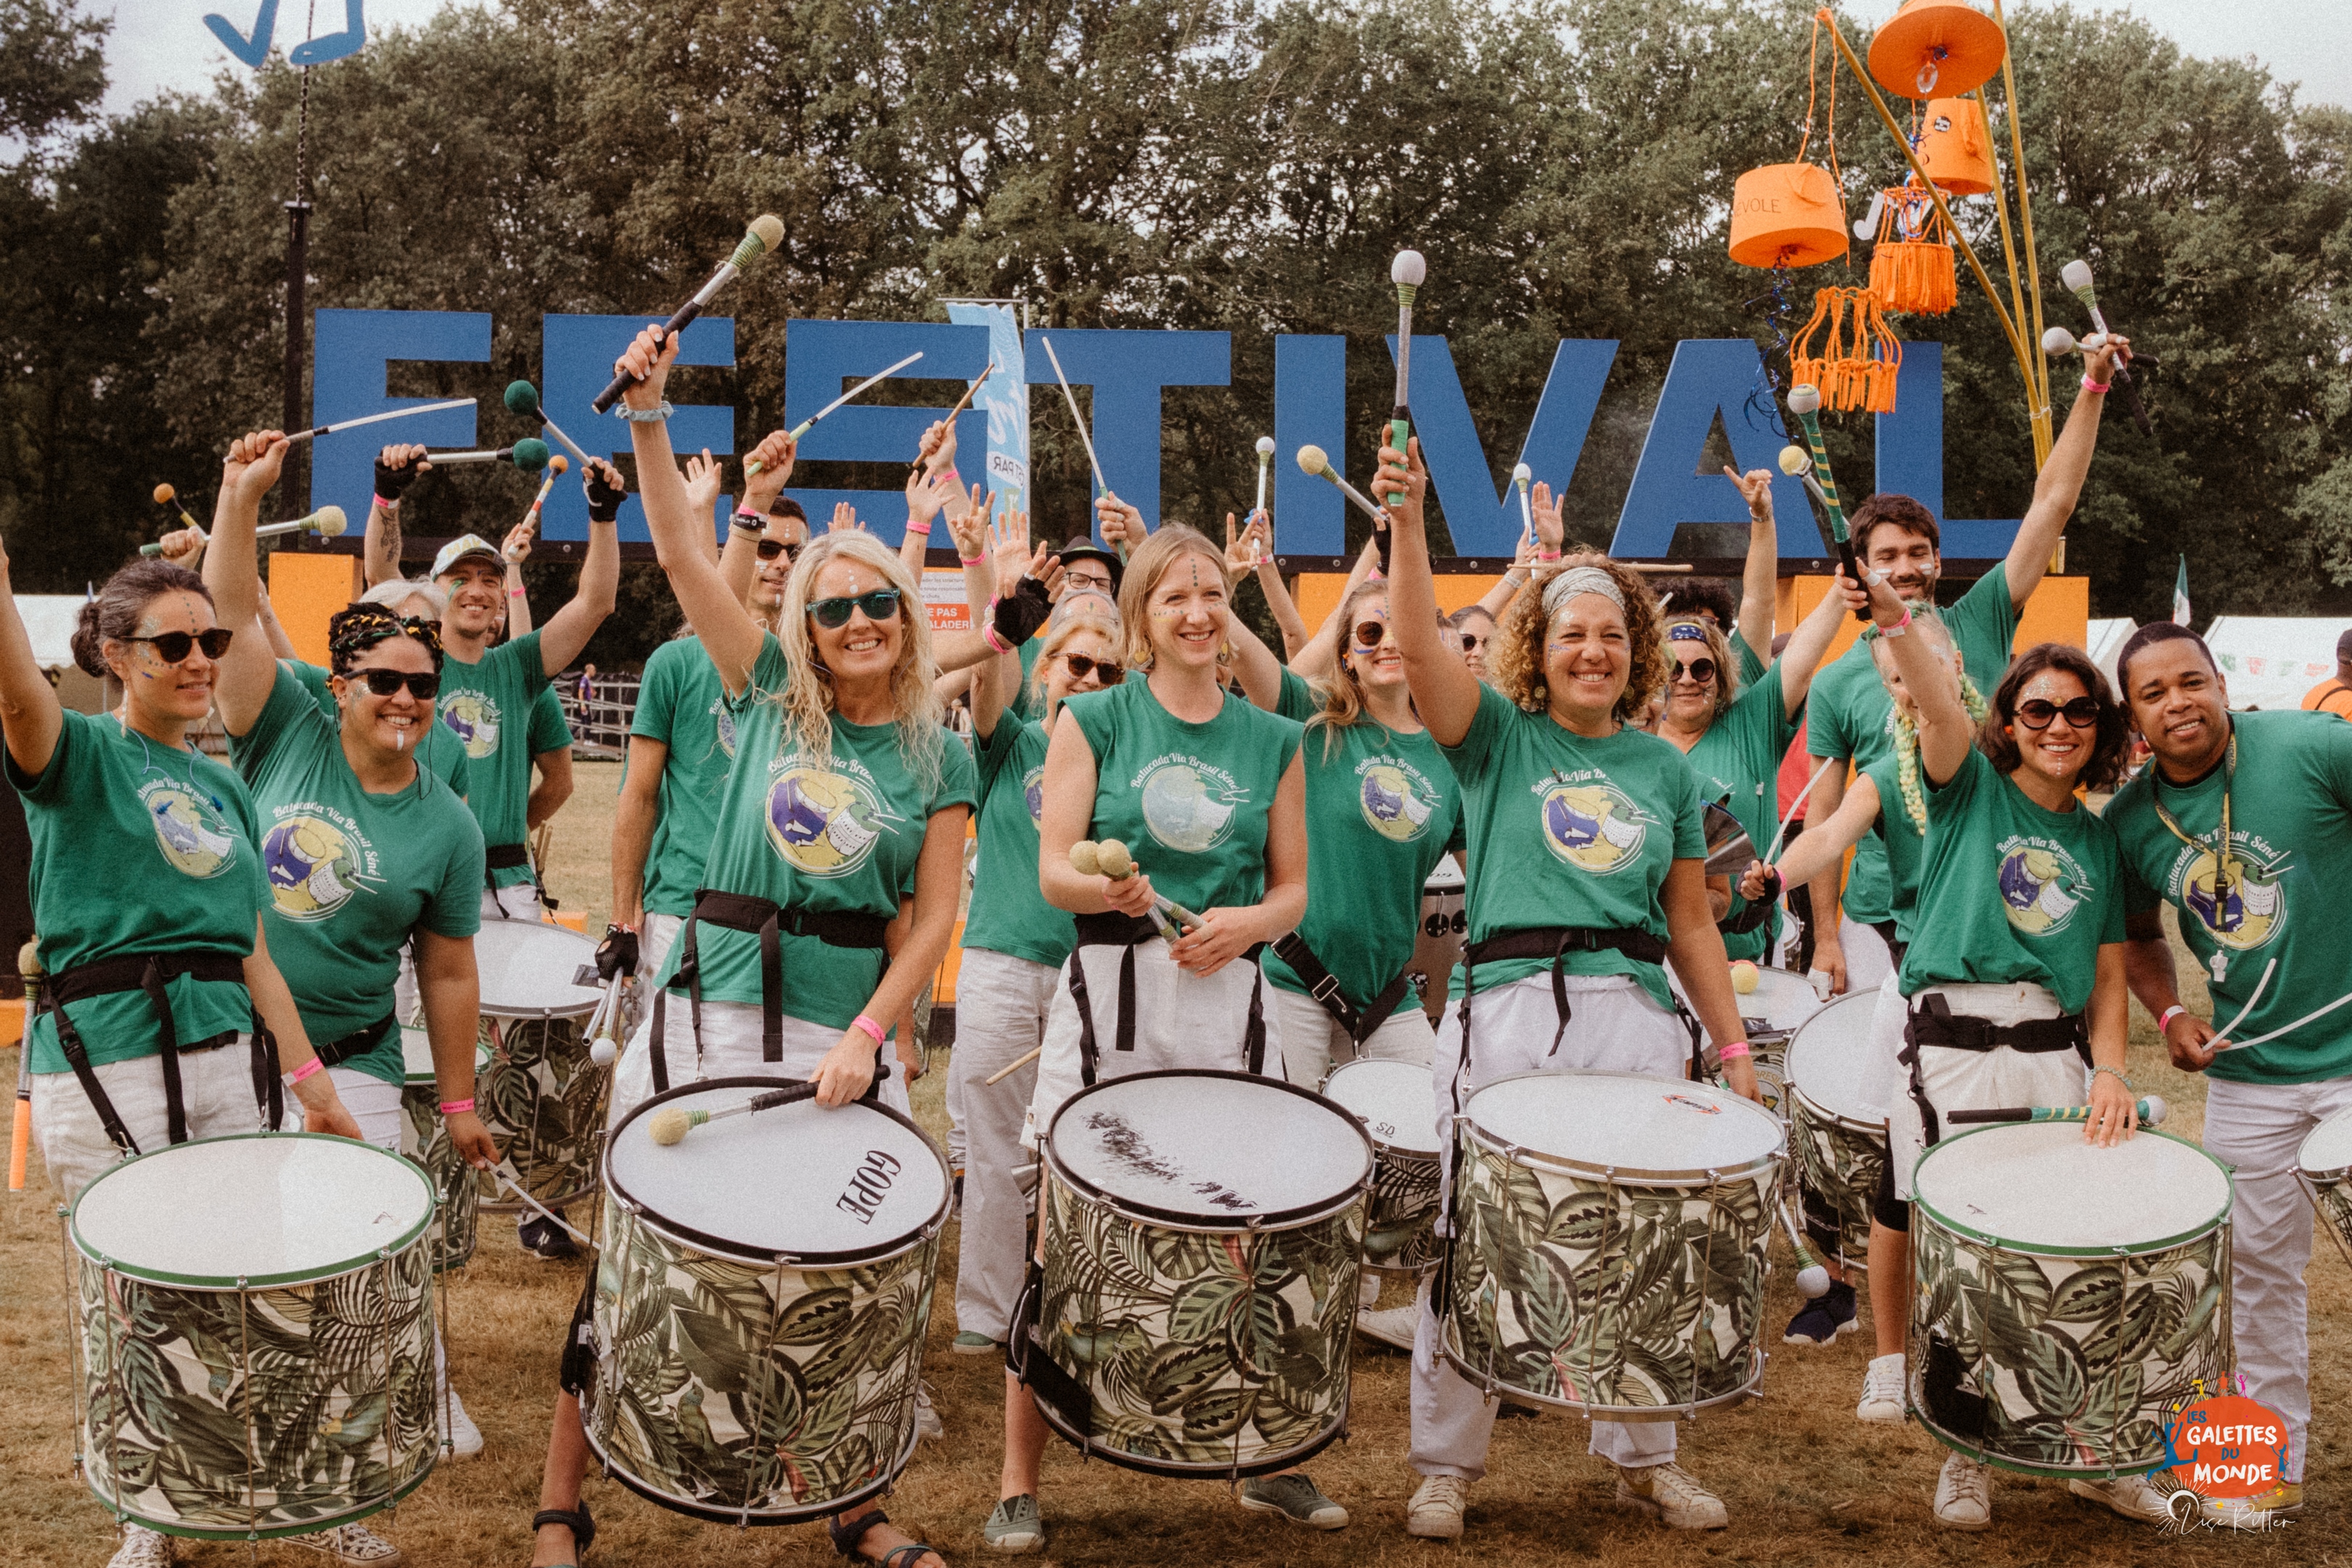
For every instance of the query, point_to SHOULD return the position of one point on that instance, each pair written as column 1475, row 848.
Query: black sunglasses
column 173, row 648
column 1369, row 633
column 2035, row 713
column 422, row 684
column 772, row 548
column 1470, row 641
column 879, row 605
column 1082, row 665
column 1698, row 671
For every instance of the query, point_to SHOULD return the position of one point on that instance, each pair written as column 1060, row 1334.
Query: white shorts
column 1313, row 1043
column 1982, row 1080
column 373, row 1104
column 216, row 1093
column 519, row 902
column 731, row 1048
column 654, row 938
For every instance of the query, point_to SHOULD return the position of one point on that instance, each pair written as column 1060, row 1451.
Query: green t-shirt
column 682, row 703
column 351, row 874
column 1191, row 802
column 1568, row 831
column 1737, row 763
column 2290, row 842
column 2012, row 891
column 548, row 731
column 1382, row 809
column 840, row 834
column 1031, row 702
column 480, row 702
column 138, row 849
column 1009, row 913
column 436, row 748
column 1751, row 668
column 1849, row 713
column 1902, row 841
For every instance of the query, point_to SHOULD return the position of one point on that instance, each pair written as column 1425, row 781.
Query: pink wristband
column 383, row 505
column 455, row 1107
column 1547, row 554
column 971, row 560
column 993, row 639
column 920, row 529
column 1734, row 1051
column 869, row 1026
column 2165, row 1023
column 2090, row 385
column 306, row 1070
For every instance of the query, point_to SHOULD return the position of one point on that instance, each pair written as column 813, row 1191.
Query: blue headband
column 1684, row 632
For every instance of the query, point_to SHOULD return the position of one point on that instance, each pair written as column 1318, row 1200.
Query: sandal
column 578, row 1521
column 846, row 1538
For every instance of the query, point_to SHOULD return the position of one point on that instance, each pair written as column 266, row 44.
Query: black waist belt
column 1131, row 932
column 1552, row 944
column 768, row 921
column 151, row 973
column 358, row 1043
column 1324, row 988
column 1931, row 1022
column 505, row 856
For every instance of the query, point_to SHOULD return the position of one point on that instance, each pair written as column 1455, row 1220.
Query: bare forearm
column 1285, row 609
column 384, row 544
column 2055, row 491
column 2149, row 968
column 634, row 816
column 1760, row 584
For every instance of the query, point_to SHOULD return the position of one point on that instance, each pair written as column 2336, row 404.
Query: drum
column 1394, row 1101
column 2067, row 1298
column 256, row 1346
column 542, row 1098
column 2325, row 1168
column 761, row 1304
column 425, row 1138
column 1608, row 1243
column 1770, row 1013
column 1839, row 1138
column 1438, row 948
column 1204, row 1240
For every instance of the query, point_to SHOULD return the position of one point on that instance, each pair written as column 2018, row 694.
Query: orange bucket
column 1933, row 46
column 1786, row 215
column 1911, row 266
column 1956, row 148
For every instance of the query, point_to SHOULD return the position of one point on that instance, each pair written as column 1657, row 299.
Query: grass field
column 1805, row 1484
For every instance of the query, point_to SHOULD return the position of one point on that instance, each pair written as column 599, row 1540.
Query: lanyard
column 2222, row 919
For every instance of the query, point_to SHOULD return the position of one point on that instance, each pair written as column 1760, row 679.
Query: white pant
column 731, row 1048
column 1613, row 1026
column 653, row 937
column 1313, row 1043
column 519, row 902
column 1884, row 1079
column 2260, row 1127
column 1982, row 1080
column 215, row 1092
column 1002, row 1006
column 373, row 1104
column 1868, row 960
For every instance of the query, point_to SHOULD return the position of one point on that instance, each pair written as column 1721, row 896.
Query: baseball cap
column 463, row 546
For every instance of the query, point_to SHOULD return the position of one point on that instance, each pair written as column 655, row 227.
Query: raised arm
column 2060, row 484
column 514, row 550
column 567, row 630
column 738, row 562
column 1444, row 689
column 1759, row 582
column 30, row 714
column 1802, row 657
column 249, row 670
column 1946, row 730
column 1821, row 848
column 1321, row 655
column 1255, row 670
column 1286, row 618
column 981, row 544
column 396, row 469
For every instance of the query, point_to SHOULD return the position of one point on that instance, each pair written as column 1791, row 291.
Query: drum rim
column 226, row 1283
column 2334, row 1175
column 268, row 1532
column 1273, row 1219
column 1708, row 1176
column 1794, row 1088
column 483, row 1057
column 1753, row 1388
column 1380, row 1146
column 735, row 1251
column 2112, row 1250
column 755, row 1517
column 1184, row 1469
column 494, row 1010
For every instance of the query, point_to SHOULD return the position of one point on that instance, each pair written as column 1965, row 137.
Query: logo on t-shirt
column 313, row 865
column 2251, row 908
column 189, row 828
column 825, row 823
column 1188, row 805
column 1033, row 792
column 726, row 717
column 2041, row 885
column 473, row 719
column 1398, row 801
column 1591, row 824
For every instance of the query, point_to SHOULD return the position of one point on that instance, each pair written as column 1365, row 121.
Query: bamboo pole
column 2042, row 440
column 2037, row 396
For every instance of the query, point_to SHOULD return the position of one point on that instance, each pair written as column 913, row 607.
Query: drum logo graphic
column 823, row 822
column 313, row 865
column 1033, row 792
column 189, row 828
column 2221, row 1447
column 1398, row 801
column 472, row 718
column 2251, row 910
column 1591, row 824
column 2041, row 885
column 1187, row 803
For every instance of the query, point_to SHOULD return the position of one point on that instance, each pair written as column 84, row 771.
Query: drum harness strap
column 358, row 1043
column 1325, row 989
column 768, row 921
column 1555, row 943
column 507, row 857
column 1932, row 1022
column 1129, row 931
column 107, row 976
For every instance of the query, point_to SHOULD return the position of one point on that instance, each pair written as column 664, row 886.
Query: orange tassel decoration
column 1911, row 266
column 1859, row 356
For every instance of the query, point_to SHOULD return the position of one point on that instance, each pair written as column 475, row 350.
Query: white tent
column 2104, row 640
column 2269, row 661
column 49, row 622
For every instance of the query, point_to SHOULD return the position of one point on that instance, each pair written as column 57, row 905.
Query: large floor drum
column 1838, row 1136
column 1203, row 1240
column 255, row 1335
column 761, row 1304
column 1608, row 1243
column 2065, row 1296
column 425, row 1138
column 1395, row 1102
column 2325, row 1167
column 542, row 1097
column 1770, row 1014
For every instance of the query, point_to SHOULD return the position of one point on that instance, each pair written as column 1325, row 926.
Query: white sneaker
column 1964, row 1495
column 928, row 1427
column 1882, row 1392
column 142, row 1548
column 352, row 1544
column 1672, row 1495
column 2133, row 1497
column 1390, row 1325
column 463, row 1438
column 1435, row 1511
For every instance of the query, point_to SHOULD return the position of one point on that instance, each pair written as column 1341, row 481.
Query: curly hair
column 1168, row 543
column 808, row 698
column 1718, row 649
column 2111, row 742
column 1516, row 665
column 361, row 626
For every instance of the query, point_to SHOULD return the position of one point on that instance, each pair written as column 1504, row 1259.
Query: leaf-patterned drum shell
column 2038, row 1342
column 1395, row 1102
column 425, row 1138
column 542, row 1096
column 1839, row 1140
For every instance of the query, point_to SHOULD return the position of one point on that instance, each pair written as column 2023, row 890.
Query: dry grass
column 1804, row 1482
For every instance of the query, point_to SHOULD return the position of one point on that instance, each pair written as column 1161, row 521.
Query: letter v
column 253, row 50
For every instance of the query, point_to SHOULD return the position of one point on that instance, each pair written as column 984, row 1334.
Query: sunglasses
column 422, row 684
column 1109, row 670
column 1470, row 641
column 2035, row 713
column 832, row 614
column 1698, row 671
column 772, row 548
column 1369, row 633
column 173, row 647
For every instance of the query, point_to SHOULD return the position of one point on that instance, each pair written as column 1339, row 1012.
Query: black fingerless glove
column 603, row 500
column 1020, row 612
column 391, row 482
column 617, row 953
column 1758, row 911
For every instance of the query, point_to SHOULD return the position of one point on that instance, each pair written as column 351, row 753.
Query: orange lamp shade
column 1933, row 46
column 1956, row 148
column 1786, row 215
column 1911, row 266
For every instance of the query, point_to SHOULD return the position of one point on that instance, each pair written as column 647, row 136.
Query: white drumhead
column 1828, row 1060
column 798, row 1179
column 1222, row 1148
column 269, row 1208
column 1445, row 877
column 1626, row 1120
column 1782, row 1001
column 416, row 1055
column 2039, row 1187
column 526, row 968
column 1392, row 1099
column 2328, row 1148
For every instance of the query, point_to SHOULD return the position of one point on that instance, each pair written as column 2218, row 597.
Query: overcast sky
column 164, row 43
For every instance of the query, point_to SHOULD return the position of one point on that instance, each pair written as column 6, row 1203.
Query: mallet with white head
column 671, row 1123
column 1813, row 1279
column 522, row 398
column 1520, row 475
column 1312, row 460
column 2076, row 276
column 326, row 522
column 1264, row 457
column 1110, row 858
column 1805, row 403
column 1407, row 272
column 766, row 233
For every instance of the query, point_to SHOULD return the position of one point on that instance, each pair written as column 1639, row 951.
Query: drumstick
column 28, row 964
column 671, row 1123
column 378, row 418
column 1813, row 1279
column 545, row 1213
column 1795, row 806
column 965, row 401
column 2152, row 1113
column 1101, row 484
column 1001, row 1074
column 603, row 1047
column 2268, row 970
column 2289, row 1028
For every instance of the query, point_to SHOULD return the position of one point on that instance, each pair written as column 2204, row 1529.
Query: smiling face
column 155, row 690
column 1085, row 575
column 1381, row 665
column 477, row 587
column 1475, row 632
column 1909, row 559
column 1088, row 643
column 1188, row 611
column 2060, row 752
column 1588, row 658
column 1693, row 675
column 394, row 723
column 2180, row 703
column 861, row 649
column 769, row 580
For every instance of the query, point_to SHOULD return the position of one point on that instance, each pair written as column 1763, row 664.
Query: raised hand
column 971, row 531
column 1544, row 508
column 938, row 449
column 2102, row 362
column 252, row 466
column 183, row 547
column 1754, row 489
column 649, row 357
column 1122, row 525
column 702, row 481
column 1240, row 554
column 515, row 549
column 774, row 454
column 844, row 520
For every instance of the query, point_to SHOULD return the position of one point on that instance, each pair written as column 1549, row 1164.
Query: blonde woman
column 1588, row 836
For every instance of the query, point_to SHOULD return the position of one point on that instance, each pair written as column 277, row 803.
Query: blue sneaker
column 1824, row 1319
